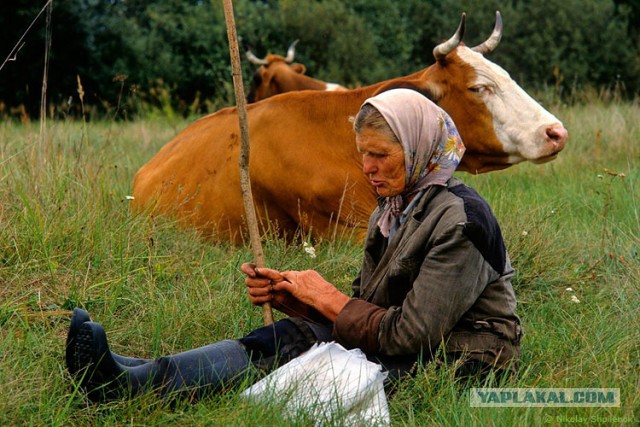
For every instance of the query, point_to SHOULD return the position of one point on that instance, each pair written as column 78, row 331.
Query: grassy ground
column 67, row 239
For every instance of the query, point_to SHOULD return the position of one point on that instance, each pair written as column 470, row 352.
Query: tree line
column 135, row 57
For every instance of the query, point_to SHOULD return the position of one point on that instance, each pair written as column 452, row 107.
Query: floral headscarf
column 431, row 142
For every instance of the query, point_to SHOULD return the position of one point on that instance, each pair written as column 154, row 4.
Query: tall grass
column 68, row 238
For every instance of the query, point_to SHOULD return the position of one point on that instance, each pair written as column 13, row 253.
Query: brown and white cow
column 278, row 74
column 305, row 171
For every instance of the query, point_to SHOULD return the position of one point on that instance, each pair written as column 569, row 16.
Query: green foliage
column 583, row 43
column 123, row 49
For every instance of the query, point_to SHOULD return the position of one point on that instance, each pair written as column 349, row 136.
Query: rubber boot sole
column 78, row 318
column 99, row 374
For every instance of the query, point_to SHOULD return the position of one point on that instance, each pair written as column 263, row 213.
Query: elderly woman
column 434, row 282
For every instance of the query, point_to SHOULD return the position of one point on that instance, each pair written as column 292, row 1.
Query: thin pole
column 45, row 77
column 243, row 159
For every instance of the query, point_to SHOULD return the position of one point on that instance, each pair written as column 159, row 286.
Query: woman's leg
column 202, row 370
column 191, row 373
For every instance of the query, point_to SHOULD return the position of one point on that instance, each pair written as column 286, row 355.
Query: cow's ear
column 428, row 89
column 431, row 91
column 298, row 68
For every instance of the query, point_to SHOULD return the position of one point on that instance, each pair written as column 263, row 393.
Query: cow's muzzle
column 557, row 135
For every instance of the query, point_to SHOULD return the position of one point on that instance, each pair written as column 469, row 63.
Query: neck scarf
column 431, row 142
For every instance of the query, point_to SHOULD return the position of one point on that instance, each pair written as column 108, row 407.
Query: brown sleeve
column 357, row 325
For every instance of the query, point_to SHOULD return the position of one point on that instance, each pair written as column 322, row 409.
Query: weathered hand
column 310, row 288
column 260, row 287
column 260, row 282
column 307, row 286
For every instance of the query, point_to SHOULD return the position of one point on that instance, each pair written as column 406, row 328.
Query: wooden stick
column 243, row 159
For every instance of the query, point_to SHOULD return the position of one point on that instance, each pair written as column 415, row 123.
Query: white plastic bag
column 329, row 383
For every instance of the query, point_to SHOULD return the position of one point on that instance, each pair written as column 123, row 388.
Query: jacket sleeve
column 450, row 279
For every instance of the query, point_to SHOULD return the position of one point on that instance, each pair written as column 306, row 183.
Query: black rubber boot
column 90, row 360
column 202, row 371
column 192, row 374
column 77, row 319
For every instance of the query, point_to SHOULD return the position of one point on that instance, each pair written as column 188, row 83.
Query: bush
column 122, row 49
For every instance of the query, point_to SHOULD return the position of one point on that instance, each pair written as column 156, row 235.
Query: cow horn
column 493, row 40
column 255, row 60
column 445, row 48
column 291, row 52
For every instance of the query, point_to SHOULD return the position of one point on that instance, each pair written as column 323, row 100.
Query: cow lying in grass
column 306, row 173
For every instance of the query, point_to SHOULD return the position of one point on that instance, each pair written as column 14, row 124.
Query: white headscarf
column 431, row 142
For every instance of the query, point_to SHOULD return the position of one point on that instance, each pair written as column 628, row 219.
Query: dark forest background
column 136, row 57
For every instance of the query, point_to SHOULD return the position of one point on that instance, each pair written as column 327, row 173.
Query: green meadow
column 68, row 238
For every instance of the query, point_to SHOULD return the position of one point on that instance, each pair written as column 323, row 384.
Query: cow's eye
column 478, row 89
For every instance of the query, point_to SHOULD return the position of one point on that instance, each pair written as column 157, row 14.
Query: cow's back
column 301, row 146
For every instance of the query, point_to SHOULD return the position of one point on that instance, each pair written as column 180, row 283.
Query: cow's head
column 488, row 106
column 274, row 75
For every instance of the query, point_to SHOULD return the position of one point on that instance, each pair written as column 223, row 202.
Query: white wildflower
column 600, row 176
column 569, row 289
column 524, row 234
column 309, row 249
column 575, row 299
column 129, row 197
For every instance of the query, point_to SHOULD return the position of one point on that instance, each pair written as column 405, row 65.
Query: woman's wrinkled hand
column 307, row 286
column 310, row 288
column 260, row 282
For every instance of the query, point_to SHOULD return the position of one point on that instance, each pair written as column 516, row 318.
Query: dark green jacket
column 444, row 278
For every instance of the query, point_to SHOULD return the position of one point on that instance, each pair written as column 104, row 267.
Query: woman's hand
column 310, row 288
column 260, row 284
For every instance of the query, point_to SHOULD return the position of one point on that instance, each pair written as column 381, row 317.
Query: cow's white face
column 524, row 128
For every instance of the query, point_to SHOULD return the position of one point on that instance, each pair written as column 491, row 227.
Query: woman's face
column 382, row 162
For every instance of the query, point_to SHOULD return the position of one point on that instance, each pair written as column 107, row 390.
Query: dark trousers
column 272, row 346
